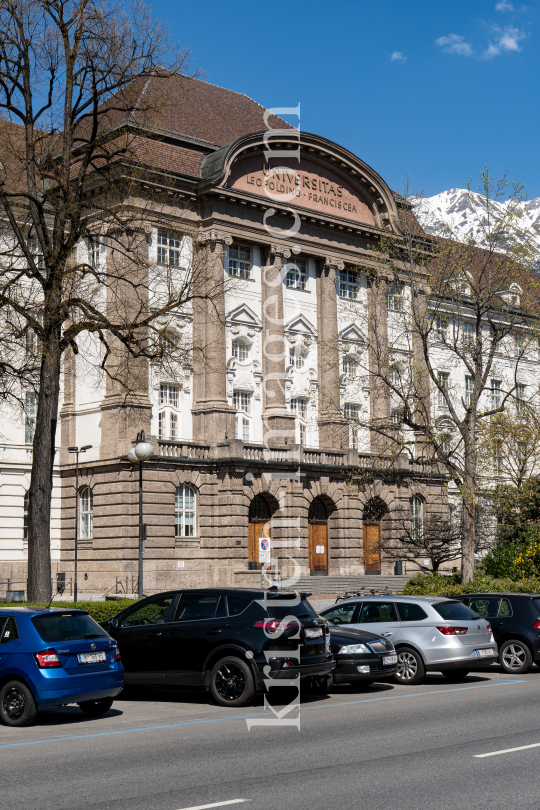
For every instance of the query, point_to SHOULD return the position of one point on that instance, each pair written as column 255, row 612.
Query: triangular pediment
column 301, row 324
column 353, row 334
column 244, row 315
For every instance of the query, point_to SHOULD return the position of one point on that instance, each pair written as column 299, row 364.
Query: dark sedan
column 361, row 656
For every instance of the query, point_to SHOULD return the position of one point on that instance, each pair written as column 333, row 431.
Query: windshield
column 455, row 610
column 280, row 608
column 67, row 627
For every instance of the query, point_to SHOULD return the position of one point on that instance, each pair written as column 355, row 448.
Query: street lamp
column 77, row 450
column 141, row 452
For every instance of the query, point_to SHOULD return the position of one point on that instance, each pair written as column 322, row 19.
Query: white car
column 430, row 633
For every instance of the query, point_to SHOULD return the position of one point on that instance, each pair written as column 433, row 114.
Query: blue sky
column 433, row 89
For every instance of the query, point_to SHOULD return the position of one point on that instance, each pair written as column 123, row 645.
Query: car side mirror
column 114, row 622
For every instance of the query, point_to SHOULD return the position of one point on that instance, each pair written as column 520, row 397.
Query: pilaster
column 333, row 429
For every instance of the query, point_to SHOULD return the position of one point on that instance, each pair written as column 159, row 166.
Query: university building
column 252, row 440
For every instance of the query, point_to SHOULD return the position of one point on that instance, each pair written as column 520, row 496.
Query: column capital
column 214, row 237
column 275, row 251
column 330, row 262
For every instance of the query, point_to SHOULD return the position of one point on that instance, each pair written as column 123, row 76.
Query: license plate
column 91, row 658
column 389, row 659
column 315, row 633
column 482, row 653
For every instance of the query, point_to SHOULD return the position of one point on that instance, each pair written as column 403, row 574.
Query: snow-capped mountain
column 461, row 214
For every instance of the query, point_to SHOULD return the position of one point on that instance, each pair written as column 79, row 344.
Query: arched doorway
column 259, row 526
column 374, row 510
column 318, row 538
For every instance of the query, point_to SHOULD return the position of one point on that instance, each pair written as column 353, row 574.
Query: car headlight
column 354, row 648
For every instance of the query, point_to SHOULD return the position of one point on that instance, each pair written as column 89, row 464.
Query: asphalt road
column 381, row 748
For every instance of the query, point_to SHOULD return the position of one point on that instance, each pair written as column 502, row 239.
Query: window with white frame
column 297, row 274
column 444, row 378
column 302, row 433
column 242, row 401
column 394, row 297
column 30, row 417
column 240, row 349
column 497, row 457
column 296, row 358
column 469, row 387
column 468, row 335
column 25, row 515
column 349, row 284
column 395, row 377
column 33, row 344
column 445, row 436
column 441, row 329
column 93, row 251
column 496, row 397
column 241, row 427
column 299, row 407
column 349, row 365
column 168, row 416
column 184, row 511
column 352, row 413
column 397, row 416
column 168, row 341
column 169, row 246
column 239, row 261
column 86, row 503
column 417, row 516
column 520, row 399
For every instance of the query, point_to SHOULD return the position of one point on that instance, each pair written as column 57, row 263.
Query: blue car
column 52, row 657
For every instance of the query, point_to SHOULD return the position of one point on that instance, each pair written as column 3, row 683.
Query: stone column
column 333, row 429
column 379, row 365
column 278, row 422
column 421, row 384
column 212, row 416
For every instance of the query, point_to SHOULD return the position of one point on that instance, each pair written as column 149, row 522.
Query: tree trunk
column 469, row 517
column 40, row 493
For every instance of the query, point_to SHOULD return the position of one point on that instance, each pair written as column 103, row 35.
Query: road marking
column 217, row 804
column 259, row 714
column 507, row 751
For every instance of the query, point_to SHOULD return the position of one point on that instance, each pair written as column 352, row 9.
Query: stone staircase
column 337, row 585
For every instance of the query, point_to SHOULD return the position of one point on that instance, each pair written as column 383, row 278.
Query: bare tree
column 74, row 248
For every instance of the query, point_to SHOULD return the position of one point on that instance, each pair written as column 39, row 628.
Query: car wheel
column 17, row 704
column 411, row 669
column 94, row 708
column 232, row 682
column 320, row 685
column 455, row 674
column 515, row 657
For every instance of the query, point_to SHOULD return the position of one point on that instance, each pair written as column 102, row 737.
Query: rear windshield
column 66, row 627
column 454, row 610
column 280, row 608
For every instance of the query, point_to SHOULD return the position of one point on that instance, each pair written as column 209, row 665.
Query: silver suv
column 430, row 633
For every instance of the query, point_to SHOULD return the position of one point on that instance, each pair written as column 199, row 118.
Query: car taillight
column 452, row 631
column 47, row 659
column 118, row 656
column 536, row 625
column 489, row 629
column 272, row 625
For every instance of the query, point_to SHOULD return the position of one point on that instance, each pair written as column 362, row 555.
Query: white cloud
column 454, row 43
column 508, row 39
column 504, row 5
column 397, row 56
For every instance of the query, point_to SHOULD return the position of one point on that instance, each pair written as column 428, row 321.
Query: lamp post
column 77, row 450
column 141, row 452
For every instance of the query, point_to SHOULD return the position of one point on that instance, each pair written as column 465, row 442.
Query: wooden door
column 372, row 550
column 318, row 547
column 258, row 528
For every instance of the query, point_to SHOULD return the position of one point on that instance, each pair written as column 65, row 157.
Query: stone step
column 339, row 584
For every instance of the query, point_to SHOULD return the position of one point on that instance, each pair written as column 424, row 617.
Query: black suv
column 515, row 619
column 231, row 641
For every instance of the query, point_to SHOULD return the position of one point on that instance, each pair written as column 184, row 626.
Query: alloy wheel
column 514, row 656
column 14, row 703
column 230, row 682
column 407, row 665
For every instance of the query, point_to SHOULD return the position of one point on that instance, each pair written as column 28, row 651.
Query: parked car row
column 237, row 642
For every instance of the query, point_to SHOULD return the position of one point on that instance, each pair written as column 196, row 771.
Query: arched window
column 259, row 509
column 87, row 513
column 417, row 516
column 184, row 511
column 25, row 516
column 317, row 511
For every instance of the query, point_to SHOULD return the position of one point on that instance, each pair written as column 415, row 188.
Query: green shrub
column 500, row 561
column 439, row 585
column 100, row 611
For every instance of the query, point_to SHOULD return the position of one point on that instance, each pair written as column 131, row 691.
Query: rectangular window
column 397, row 416
column 520, row 399
column 30, row 417
column 349, row 284
column 240, row 261
column 240, row 350
column 496, row 398
column 32, row 344
column 302, row 433
column 441, row 329
column 296, row 358
column 174, row 426
column 468, row 335
column 349, row 366
column 444, row 377
column 242, row 428
column 242, row 401
column 297, row 274
column 93, row 254
column 394, row 297
column 469, row 386
column 168, row 395
column 497, row 457
column 161, row 425
column 299, row 407
column 169, row 245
